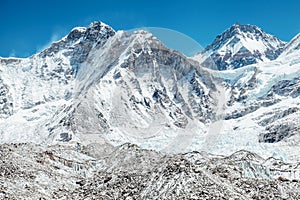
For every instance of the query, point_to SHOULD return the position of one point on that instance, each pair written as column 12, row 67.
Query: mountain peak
column 84, row 37
column 239, row 26
column 92, row 32
column 246, row 27
column 249, row 29
column 244, row 30
column 97, row 24
column 79, row 42
column 241, row 45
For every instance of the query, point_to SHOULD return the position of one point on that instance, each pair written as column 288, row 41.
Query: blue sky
column 28, row 26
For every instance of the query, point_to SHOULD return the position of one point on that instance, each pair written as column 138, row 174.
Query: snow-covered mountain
column 95, row 83
column 98, row 84
column 79, row 102
column 34, row 89
column 241, row 45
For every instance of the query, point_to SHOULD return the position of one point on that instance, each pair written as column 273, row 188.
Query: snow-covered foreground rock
column 129, row 172
column 64, row 112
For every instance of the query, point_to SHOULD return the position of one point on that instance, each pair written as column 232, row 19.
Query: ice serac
column 241, row 45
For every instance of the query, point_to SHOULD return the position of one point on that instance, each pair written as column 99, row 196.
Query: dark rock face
column 280, row 126
column 277, row 133
column 278, row 115
column 6, row 103
column 273, row 54
column 288, row 88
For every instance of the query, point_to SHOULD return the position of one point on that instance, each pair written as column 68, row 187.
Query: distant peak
column 92, row 32
column 143, row 33
column 95, row 34
column 235, row 30
column 94, row 25
column 237, row 24
column 246, row 28
column 98, row 24
column 238, row 30
column 243, row 44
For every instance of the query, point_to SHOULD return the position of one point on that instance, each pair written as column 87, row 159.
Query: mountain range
column 97, row 86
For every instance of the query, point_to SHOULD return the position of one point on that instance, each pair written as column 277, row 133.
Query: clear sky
column 28, row 26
